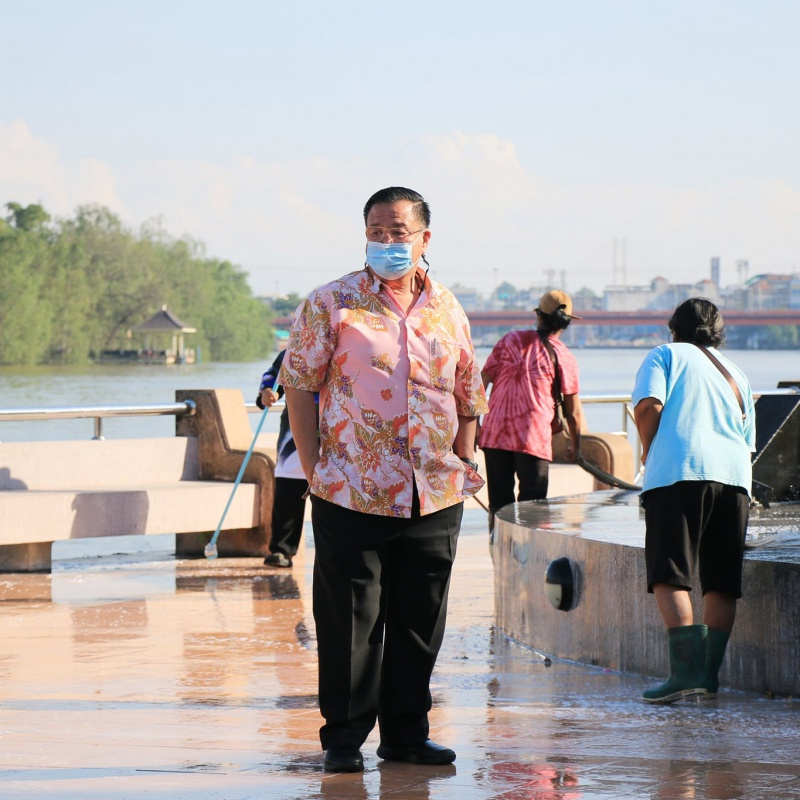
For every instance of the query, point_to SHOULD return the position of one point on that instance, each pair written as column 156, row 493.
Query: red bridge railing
column 522, row 318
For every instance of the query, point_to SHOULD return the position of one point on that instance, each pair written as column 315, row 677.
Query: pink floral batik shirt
column 391, row 388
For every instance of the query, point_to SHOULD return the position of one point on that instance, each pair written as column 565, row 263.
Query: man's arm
column 303, row 423
column 464, row 442
column 647, row 416
column 573, row 412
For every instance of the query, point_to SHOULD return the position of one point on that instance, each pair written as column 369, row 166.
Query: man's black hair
column 552, row 323
column 697, row 321
column 394, row 194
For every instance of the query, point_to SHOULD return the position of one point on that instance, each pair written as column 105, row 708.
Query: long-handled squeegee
column 606, row 477
column 211, row 548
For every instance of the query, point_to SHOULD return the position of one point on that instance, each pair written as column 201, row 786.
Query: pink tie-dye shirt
column 391, row 387
column 521, row 404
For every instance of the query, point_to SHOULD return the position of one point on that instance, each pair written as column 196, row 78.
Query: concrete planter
column 613, row 622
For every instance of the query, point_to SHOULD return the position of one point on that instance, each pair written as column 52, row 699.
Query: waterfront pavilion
column 165, row 323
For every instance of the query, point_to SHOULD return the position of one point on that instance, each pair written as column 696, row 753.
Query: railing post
column 627, row 410
column 98, row 429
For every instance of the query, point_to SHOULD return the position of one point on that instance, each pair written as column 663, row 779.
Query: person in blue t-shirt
column 696, row 420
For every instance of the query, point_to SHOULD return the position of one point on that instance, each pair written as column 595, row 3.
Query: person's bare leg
column 719, row 611
column 674, row 604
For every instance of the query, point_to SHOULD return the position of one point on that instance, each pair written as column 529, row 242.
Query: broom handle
column 238, row 480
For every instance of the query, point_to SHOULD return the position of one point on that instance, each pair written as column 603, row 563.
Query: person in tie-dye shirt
column 390, row 353
column 516, row 436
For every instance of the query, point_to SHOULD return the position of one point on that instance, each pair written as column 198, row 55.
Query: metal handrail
column 188, row 408
column 625, row 400
column 98, row 413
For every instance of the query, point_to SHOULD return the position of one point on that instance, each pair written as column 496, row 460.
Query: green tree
column 25, row 321
column 781, row 337
column 286, row 306
column 27, row 218
column 236, row 325
column 73, row 287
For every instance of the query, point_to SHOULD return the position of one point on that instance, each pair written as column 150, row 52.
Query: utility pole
column 624, row 262
column 614, row 262
column 619, row 265
column 742, row 267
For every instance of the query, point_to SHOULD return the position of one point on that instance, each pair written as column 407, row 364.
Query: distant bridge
column 483, row 319
column 525, row 319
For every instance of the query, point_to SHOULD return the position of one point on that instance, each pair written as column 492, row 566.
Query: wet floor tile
column 203, row 685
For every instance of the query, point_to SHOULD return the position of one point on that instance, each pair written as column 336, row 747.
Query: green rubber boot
column 687, row 666
column 716, row 644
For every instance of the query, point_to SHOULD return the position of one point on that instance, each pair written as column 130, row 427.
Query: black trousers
column 501, row 468
column 380, row 603
column 288, row 510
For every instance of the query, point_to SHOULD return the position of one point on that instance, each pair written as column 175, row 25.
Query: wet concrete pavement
column 125, row 678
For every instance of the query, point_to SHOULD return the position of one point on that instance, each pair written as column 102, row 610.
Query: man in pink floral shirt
column 390, row 353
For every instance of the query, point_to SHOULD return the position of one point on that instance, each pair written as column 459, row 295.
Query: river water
column 602, row 371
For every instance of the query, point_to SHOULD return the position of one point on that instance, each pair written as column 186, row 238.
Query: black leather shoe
column 278, row 560
column 343, row 759
column 426, row 752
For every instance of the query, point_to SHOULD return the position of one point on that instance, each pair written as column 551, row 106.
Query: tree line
column 70, row 288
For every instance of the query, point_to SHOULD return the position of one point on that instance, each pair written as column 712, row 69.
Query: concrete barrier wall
column 613, row 622
column 51, row 491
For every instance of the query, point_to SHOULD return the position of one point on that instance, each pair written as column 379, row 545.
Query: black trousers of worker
column 288, row 511
column 380, row 603
column 502, row 466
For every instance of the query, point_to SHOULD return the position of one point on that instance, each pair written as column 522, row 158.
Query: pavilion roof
column 164, row 321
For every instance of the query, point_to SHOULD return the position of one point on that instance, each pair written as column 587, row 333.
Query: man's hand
column 268, row 397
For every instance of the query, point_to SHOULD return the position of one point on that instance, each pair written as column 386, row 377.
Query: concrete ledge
column 51, row 491
column 223, row 432
column 36, row 516
column 613, row 622
column 99, row 463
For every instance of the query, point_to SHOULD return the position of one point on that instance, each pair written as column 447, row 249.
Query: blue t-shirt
column 701, row 435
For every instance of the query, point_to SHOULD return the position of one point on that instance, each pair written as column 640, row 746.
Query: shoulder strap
column 554, row 358
column 728, row 377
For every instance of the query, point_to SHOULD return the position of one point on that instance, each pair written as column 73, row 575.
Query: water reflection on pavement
column 125, row 678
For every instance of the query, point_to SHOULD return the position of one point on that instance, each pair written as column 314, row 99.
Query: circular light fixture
column 559, row 584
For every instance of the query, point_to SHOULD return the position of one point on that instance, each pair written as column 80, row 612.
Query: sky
column 577, row 143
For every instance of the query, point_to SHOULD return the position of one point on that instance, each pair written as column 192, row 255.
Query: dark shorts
column 693, row 521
